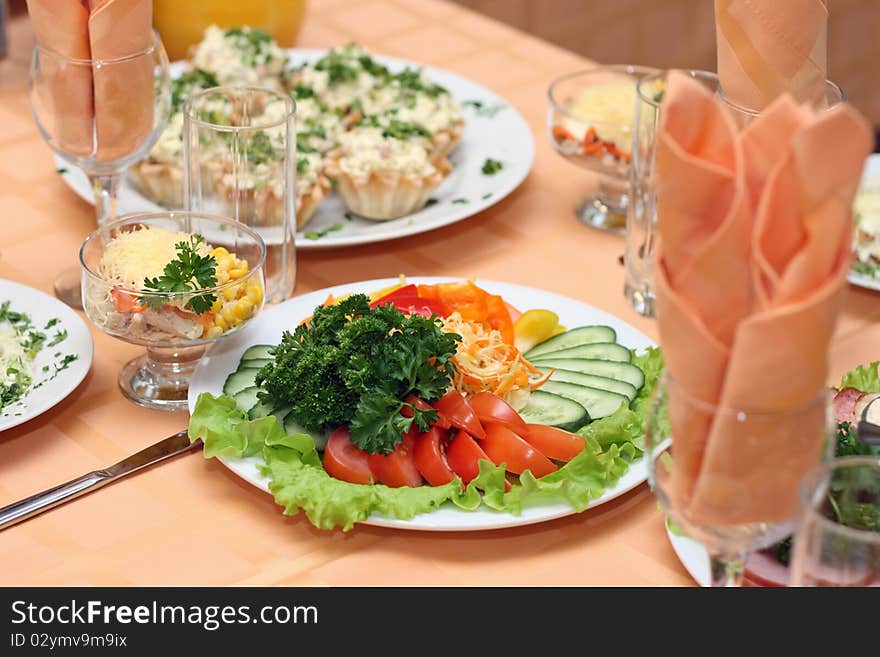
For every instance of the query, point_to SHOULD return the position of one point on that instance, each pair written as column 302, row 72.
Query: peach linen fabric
column 770, row 47
column 755, row 233
column 103, row 112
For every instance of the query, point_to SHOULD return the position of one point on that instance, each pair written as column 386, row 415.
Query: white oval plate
column 505, row 137
column 42, row 308
column 267, row 328
column 871, row 170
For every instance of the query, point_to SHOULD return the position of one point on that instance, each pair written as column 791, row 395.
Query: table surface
column 191, row 521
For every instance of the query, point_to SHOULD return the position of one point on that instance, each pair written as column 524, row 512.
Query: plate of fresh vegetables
column 429, row 404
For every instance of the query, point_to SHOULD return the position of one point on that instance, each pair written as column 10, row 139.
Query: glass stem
column 105, row 189
column 727, row 567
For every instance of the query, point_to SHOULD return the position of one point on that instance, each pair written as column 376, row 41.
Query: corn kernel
column 228, row 313
column 216, row 306
column 214, row 332
column 243, row 308
column 222, row 276
column 237, row 272
column 226, row 262
column 231, row 293
column 219, row 252
column 220, row 323
column 255, row 293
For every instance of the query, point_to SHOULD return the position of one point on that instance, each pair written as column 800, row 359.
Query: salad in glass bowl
column 173, row 282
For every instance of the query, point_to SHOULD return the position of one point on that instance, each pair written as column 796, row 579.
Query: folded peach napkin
column 100, row 111
column 768, row 48
column 751, row 265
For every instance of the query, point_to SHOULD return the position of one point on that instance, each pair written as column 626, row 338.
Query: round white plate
column 693, row 557
column 503, row 136
column 267, row 328
column 871, row 170
column 42, row 308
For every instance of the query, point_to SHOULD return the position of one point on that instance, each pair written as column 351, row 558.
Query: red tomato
column 345, row 460
column 463, row 455
column 504, row 446
column 552, row 442
column 398, row 468
column 430, row 458
column 125, row 302
column 442, row 421
column 459, row 413
column 406, row 299
column 490, row 408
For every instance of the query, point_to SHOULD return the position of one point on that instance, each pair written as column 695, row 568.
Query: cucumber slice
column 260, row 409
column 258, row 352
column 628, row 390
column 555, row 411
column 607, row 368
column 246, row 398
column 573, row 338
column 238, row 381
column 257, row 363
column 595, row 351
column 291, row 426
column 599, row 403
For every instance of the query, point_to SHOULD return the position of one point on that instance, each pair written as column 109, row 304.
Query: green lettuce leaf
column 865, row 378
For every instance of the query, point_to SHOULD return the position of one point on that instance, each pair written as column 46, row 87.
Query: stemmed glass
column 745, row 505
column 837, row 542
column 101, row 115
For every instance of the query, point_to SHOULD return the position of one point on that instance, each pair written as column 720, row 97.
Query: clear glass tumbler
column 101, row 115
column 239, row 160
column 641, row 218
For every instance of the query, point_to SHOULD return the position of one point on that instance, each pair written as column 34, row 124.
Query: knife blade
column 31, row 506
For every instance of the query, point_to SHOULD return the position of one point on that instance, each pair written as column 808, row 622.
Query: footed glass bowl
column 175, row 327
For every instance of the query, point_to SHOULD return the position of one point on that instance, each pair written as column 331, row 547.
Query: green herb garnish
column 316, row 235
column 491, row 167
column 190, row 81
column 481, row 109
column 353, row 365
column 460, row 201
column 61, row 170
column 190, row 271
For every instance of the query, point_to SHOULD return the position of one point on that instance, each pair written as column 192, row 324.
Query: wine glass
column 730, row 505
column 590, row 123
column 174, row 329
column 101, row 115
column 837, row 542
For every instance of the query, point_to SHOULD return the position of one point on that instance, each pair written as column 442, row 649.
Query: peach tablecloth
column 191, row 522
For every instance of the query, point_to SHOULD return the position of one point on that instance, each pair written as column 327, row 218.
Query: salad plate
column 55, row 347
column 870, row 185
column 493, row 130
column 223, row 359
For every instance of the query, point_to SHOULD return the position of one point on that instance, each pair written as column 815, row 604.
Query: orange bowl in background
column 181, row 23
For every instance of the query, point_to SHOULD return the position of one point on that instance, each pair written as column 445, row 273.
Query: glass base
column 641, row 300
column 595, row 213
column 68, row 287
column 160, row 378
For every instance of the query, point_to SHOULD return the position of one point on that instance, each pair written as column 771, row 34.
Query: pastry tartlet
column 380, row 176
column 240, row 55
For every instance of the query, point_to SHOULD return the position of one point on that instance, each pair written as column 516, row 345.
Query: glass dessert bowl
column 590, row 123
column 173, row 282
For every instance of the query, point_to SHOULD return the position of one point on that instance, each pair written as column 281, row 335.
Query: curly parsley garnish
column 491, row 167
column 354, row 366
column 189, row 271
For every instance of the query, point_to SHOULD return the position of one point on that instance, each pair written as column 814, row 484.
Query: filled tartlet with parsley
column 240, row 55
column 385, row 172
column 341, row 77
column 158, row 286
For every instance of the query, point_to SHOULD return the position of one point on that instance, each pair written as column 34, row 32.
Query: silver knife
column 48, row 499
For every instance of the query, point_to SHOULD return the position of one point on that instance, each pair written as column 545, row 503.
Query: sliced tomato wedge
column 346, row 461
column 463, row 455
column 553, row 443
column 429, row 455
column 398, row 468
column 491, row 408
column 407, row 300
column 504, row 446
column 460, row 414
column 125, row 302
column 442, row 421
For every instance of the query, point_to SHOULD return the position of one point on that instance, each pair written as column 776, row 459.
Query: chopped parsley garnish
column 302, row 91
column 481, row 109
column 411, row 79
column 657, row 97
column 349, row 216
column 254, row 44
column 189, row 271
column 302, row 163
column 259, row 148
column 60, row 336
column 395, row 128
column 460, row 201
column 190, row 81
column 52, row 322
column 61, row 170
column 431, row 201
column 491, row 167
column 486, row 195
column 316, row 235
column 353, row 365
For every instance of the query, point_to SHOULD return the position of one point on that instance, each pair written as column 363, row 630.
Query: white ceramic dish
column 224, row 358
column 42, row 308
column 503, row 136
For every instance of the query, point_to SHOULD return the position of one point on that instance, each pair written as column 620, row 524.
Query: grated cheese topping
column 132, row 256
column 608, row 108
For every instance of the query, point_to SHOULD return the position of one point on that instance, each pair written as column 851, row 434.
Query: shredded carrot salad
column 486, row 362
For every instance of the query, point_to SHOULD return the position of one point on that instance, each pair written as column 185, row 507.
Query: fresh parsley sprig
column 189, row 271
